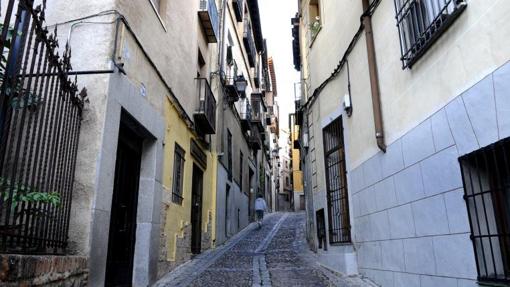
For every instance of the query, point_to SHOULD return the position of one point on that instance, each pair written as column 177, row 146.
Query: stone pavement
column 274, row 255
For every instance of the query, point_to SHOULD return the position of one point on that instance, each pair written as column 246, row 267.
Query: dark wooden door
column 122, row 234
column 196, row 210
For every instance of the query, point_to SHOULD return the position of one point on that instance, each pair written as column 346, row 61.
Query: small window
column 178, row 174
column 241, row 156
column 486, row 176
column 229, row 151
column 421, row 22
column 314, row 11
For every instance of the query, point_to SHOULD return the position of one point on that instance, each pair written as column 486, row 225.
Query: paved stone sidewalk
column 274, row 255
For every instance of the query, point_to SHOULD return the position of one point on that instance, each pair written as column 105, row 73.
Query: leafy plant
column 315, row 27
column 19, row 193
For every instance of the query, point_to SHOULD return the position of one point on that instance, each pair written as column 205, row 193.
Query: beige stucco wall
column 473, row 47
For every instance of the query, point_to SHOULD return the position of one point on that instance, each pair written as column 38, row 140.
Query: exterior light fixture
column 241, row 85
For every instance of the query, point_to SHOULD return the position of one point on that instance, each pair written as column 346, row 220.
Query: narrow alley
column 275, row 255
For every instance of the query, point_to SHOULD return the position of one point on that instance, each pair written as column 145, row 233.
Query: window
column 178, row 174
column 421, row 22
column 336, row 183
column 486, row 176
column 315, row 20
column 241, row 170
column 229, row 151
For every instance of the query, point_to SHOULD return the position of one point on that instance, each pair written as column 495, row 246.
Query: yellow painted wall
column 297, row 174
column 177, row 217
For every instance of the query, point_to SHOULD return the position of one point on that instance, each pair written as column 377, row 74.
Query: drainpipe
column 374, row 78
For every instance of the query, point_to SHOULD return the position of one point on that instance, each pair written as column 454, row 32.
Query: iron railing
column 40, row 116
column 258, row 111
column 421, row 23
column 205, row 117
column 249, row 43
column 486, row 176
column 238, row 9
column 336, row 183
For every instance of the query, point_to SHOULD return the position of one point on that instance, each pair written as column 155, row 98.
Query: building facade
column 172, row 147
column 297, row 174
column 404, row 138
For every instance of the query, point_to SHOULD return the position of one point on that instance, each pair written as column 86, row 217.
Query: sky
column 276, row 28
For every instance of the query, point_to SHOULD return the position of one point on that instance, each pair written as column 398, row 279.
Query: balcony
column 258, row 111
column 205, row 116
column 208, row 15
column 230, row 82
column 254, row 139
column 249, row 44
column 238, row 9
column 245, row 113
column 274, row 128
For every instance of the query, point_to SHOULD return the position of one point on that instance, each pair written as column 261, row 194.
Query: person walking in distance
column 260, row 207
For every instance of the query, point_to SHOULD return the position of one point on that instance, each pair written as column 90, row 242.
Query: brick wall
column 21, row 270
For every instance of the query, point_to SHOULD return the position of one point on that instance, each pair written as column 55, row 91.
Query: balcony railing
column 238, row 9
column 208, row 15
column 205, row 116
column 245, row 113
column 421, row 23
column 249, row 43
column 254, row 139
column 230, row 82
column 258, row 111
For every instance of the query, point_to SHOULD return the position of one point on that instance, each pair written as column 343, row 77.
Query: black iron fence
column 40, row 113
column 205, row 117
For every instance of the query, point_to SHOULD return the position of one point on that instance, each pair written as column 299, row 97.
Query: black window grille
column 179, row 157
column 336, row 183
column 486, row 176
column 229, row 151
column 421, row 23
column 241, row 156
column 40, row 120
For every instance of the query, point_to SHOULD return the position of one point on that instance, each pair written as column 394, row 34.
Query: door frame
column 196, row 212
column 123, row 99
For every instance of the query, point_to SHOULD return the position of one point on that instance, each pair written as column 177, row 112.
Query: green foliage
column 16, row 102
column 22, row 193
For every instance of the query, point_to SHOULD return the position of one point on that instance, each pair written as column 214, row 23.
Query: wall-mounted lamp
column 347, row 97
column 241, row 85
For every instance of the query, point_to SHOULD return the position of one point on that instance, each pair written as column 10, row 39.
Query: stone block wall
column 411, row 224
column 48, row 271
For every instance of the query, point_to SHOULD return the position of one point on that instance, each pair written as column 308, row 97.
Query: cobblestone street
column 275, row 255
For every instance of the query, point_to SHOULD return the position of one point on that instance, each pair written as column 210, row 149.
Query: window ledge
column 158, row 15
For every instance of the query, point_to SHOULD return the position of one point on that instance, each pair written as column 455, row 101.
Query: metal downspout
column 374, row 79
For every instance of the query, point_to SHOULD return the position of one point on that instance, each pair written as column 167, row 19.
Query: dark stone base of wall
column 48, row 271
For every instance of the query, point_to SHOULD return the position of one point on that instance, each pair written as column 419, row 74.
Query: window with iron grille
column 229, row 151
column 421, row 23
column 486, row 176
column 178, row 174
column 336, row 183
column 241, row 170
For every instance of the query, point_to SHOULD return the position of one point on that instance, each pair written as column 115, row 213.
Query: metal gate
column 336, row 183
column 40, row 114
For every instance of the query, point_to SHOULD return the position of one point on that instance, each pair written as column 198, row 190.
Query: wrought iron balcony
column 254, row 139
column 205, row 116
column 231, row 79
column 245, row 113
column 238, row 9
column 208, row 15
column 258, row 111
column 249, row 43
